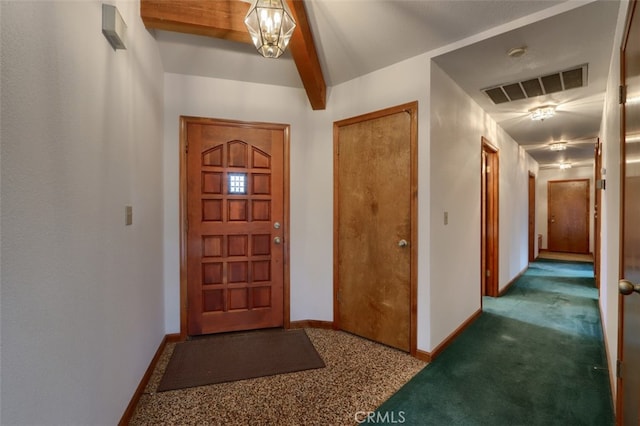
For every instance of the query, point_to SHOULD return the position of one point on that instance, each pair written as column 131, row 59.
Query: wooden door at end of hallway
column 568, row 216
column 628, row 396
column 236, row 225
column 374, row 232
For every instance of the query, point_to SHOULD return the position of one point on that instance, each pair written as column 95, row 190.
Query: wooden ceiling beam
column 220, row 19
column 225, row 19
column 303, row 50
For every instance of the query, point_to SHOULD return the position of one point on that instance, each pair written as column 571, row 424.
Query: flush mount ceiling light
column 558, row 146
column 517, row 52
column 542, row 113
column 270, row 24
column 565, row 166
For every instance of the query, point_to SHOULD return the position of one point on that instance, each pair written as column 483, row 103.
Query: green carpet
column 534, row 357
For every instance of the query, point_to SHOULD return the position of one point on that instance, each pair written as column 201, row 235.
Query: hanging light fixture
column 540, row 114
column 270, row 25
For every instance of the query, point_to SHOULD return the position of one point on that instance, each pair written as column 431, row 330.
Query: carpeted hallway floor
column 534, row 357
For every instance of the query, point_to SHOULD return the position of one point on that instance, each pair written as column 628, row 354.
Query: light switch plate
column 129, row 215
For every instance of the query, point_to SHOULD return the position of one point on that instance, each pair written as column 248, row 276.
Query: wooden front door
column 375, row 241
column 568, row 216
column 236, row 225
column 629, row 336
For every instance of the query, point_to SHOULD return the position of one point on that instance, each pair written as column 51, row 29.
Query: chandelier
column 271, row 26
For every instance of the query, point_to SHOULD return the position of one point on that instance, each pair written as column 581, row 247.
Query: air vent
column 538, row 86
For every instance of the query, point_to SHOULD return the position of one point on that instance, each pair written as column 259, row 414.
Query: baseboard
column 423, row 356
column 513, row 281
column 446, row 342
column 128, row 413
column 311, row 324
column 612, row 373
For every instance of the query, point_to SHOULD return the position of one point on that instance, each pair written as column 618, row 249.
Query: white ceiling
column 356, row 37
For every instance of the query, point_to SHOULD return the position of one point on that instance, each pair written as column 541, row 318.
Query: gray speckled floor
column 359, row 376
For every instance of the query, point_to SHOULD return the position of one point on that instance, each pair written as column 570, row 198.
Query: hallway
column 534, row 357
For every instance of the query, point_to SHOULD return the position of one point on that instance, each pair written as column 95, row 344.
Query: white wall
column 610, row 209
column 542, row 180
column 457, row 126
column 82, row 309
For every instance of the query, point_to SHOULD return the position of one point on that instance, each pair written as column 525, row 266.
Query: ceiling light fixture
column 270, row 24
column 517, row 52
column 540, row 114
column 565, row 166
column 558, row 146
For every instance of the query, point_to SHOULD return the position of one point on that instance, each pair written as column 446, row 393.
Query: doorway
column 234, row 225
column 489, row 219
column 375, row 226
column 568, row 216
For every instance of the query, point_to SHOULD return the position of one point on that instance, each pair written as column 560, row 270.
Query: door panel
column 568, row 216
column 235, row 197
column 374, row 202
column 629, row 384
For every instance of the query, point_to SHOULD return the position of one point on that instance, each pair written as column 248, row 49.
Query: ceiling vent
column 542, row 85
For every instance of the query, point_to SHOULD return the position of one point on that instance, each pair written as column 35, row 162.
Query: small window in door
column 237, row 183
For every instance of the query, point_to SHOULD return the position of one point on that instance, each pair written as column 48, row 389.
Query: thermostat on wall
column 113, row 27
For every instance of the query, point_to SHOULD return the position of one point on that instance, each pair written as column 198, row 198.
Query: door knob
column 277, row 240
column 627, row 287
column 403, row 243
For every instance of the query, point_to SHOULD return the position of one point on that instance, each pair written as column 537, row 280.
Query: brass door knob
column 626, row 287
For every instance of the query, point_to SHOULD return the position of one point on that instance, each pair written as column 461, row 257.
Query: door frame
column 532, row 217
column 490, row 212
column 597, row 208
column 184, row 121
column 412, row 109
column 619, row 403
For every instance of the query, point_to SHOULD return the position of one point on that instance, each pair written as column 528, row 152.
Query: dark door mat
column 237, row 356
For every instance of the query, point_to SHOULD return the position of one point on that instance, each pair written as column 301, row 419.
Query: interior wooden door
column 568, row 216
column 375, row 232
column 236, row 225
column 629, row 379
column 490, row 178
